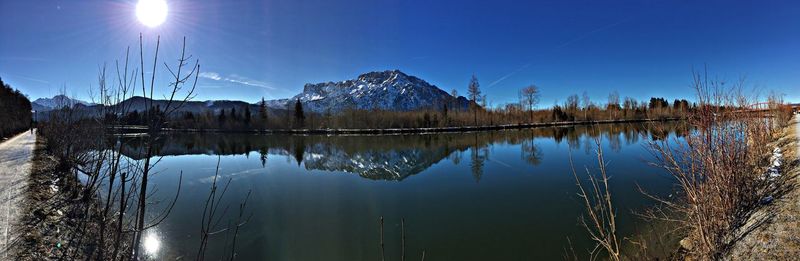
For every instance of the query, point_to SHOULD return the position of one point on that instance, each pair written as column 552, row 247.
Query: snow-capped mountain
column 387, row 90
column 58, row 101
column 332, row 154
column 372, row 164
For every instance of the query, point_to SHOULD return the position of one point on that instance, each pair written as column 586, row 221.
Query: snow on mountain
column 58, row 101
column 372, row 164
column 388, row 90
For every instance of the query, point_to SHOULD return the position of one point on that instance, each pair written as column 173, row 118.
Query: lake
column 500, row 195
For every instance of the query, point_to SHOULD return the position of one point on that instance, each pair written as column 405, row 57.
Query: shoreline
column 141, row 130
column 55, row 224
column 771, row 232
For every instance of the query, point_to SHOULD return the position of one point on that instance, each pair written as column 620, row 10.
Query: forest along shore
column 15, row 167
column 136, row 129
column 773, row 232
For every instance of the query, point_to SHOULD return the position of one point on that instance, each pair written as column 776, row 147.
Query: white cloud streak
column 210, row 75
column 509, row 75
column 564, row 44
column 234, row 78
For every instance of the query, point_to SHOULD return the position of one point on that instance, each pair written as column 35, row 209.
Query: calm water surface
column 504, row 195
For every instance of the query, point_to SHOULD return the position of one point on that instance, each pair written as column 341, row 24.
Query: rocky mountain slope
column 387, row 90
column 58, row 101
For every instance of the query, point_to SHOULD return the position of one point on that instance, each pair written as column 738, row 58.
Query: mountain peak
column 391, row 90
column 60, row 100
column 383, row 75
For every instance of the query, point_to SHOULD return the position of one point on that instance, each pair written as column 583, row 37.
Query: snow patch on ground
column 774, row 170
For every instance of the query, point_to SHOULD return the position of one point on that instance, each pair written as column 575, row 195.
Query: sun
column 151, row 13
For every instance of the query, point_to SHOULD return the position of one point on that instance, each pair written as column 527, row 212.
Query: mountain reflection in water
column 396, row 157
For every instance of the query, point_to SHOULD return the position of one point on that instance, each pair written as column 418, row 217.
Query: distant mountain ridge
column 138, row 103
column 58, row 101
column 390, row 90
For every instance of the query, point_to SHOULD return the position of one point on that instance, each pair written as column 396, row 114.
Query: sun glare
column 151, row 244
column 151, row 12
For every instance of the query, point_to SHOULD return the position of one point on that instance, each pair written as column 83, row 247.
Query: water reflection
column 504, row 195
column 396, row 157
column 478, row 156
column 151, row 244
column 531, row 153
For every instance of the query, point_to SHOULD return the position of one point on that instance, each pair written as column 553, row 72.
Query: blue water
column 505, row 195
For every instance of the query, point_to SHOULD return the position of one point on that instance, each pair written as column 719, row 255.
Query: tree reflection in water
column 531, row 153
column 396, row 157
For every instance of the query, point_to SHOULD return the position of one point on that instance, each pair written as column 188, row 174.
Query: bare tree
column 530, row 96
column 586, row 103
column 613, row 99
column 156, row 119
column 719, row 169
column 474, row 92
column 572, row 105
column 613, row 103
column 454, row 102
column 601, row 223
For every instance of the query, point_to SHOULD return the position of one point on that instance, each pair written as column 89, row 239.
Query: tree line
column 480, row 112
column 15, row 111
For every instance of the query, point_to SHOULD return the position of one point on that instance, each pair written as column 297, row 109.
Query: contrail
column 509, row 75
column 562, row 45
column 28, row 78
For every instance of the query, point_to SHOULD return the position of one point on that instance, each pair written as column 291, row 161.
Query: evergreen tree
column 262, row 112
column 299, row 116
column 15, row 111
column 247, row 115
column 221, row 118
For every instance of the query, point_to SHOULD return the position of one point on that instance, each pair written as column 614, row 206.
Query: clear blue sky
column 250, row 49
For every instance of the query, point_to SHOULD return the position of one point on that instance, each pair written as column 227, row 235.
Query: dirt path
column 778, row 236
column 15, row 166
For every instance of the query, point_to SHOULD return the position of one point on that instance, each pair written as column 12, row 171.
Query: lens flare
column 151, row 244
column 151, row 13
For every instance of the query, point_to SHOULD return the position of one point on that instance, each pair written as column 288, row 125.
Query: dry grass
column 773, row 232
column 55, row 225
column 600, row 218
column 719, row 169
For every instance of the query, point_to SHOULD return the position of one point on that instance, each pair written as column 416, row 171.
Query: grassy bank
column 773, row 231
column 725, row 172
column 57, row 222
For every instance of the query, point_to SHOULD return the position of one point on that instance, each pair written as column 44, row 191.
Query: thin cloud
column 13, row 75
column 23, row 59
column 209, row 86
column 235, row 78
column 509, row 75
column 565, row 44
column 35, row 80
column 210, row 75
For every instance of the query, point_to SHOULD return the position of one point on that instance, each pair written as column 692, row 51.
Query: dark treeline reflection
column 395, row 157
